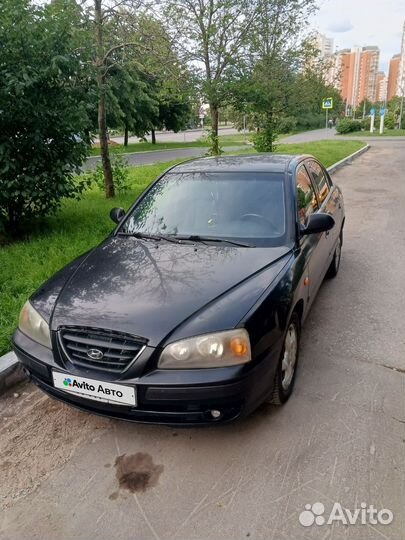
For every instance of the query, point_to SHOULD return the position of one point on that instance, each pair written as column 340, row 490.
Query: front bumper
column 163, row 396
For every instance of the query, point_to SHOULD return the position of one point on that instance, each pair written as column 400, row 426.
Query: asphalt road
column 190, row 135
column 148, row 158
column 340, row 439
column 160, row 156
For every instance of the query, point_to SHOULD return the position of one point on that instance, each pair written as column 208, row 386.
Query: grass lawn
column 328, row 152
column 387, row 133
column 82, row 224
column 225, row 140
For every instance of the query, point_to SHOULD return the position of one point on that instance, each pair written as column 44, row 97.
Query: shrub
column 286, row 124
column 389, row 120
column 365, row 124
column 43, row 117
column 310, row 121
column 265, row 140
column 120, row 172
column 347, row 125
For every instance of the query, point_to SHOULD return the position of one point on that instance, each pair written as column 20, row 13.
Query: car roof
column 268, row 162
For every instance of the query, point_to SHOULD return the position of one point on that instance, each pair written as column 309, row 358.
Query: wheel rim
column 338, row 254
column 290, row 356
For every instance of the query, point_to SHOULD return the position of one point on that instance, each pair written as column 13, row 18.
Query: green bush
column 389, row 120
column 365, row 124
column 121, row 175
column 43, row 118
column 265, row 140
column 347, row 125
column 286, row 124
column 310, row 121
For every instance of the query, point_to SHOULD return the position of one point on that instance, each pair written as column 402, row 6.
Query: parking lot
column 341, row 437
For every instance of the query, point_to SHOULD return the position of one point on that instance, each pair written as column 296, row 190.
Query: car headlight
column 34, row 326
column 221, row 349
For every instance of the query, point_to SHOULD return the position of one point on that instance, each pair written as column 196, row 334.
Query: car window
column 306, row 198
column 226, row 205
column 320, row 180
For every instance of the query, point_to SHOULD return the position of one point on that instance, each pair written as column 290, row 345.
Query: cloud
column 342, row 25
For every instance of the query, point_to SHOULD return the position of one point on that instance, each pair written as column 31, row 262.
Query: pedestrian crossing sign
column 327, row 103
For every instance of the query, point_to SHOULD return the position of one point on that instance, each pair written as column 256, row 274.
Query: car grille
column 101, row 350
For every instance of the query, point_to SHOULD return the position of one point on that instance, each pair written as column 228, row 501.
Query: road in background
column 341, row 437
column 190, row 135
column 160, row 156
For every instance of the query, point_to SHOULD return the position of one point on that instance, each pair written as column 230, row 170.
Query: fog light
column 215, row 414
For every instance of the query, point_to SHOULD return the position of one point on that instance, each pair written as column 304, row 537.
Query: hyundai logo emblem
column 95, row 354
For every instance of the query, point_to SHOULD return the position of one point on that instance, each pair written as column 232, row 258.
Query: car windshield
column 249, row 207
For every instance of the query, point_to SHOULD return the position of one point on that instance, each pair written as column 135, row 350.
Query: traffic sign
column 382, row 111
column 372, row 112
column 327, row 103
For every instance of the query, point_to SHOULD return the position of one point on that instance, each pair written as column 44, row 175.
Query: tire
column 285, row 374
column 337, row 257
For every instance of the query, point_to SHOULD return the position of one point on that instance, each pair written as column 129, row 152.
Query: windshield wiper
column 137, row 234
column 147, row 236
column 199, row 238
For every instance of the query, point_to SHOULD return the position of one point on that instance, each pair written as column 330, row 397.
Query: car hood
column 148, row 288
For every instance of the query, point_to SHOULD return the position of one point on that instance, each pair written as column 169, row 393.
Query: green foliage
column 365, row 124
column 214, row 145
column 43, row 116
column 307, row 121
column 121, row 174
column 390, row 121
column 264, row 141
column 347, row 125
column 287, row 124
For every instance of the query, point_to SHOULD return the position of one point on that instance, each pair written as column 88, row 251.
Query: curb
column 11, row 372
column 347, row 160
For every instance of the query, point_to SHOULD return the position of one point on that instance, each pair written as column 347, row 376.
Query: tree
column 277, row 53
column 43, row 109
column 169, row 82
column 213, row 34
column 110, row 20
column 130, row 104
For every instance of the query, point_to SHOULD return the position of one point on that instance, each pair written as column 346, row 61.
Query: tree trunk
column 153, row 133
column 126, row 135
column 214, row 129
column 104, row 150
column 102, row 110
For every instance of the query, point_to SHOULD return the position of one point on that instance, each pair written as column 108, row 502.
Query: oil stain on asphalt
column 136, row 472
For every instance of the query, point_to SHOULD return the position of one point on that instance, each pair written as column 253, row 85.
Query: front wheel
column 286, row 369
column 337, row 257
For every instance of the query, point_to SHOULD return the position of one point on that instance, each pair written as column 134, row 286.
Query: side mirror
column 117, row 214
column 318, row 223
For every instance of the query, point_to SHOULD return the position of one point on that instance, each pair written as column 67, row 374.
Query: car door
column 329, row 200
column 311, row 247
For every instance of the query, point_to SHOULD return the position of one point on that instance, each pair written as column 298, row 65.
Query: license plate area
column 96, row 390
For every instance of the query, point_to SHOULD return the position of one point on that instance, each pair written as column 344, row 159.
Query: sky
column 363, row 22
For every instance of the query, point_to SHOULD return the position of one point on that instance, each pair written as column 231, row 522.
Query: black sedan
column 190, row 312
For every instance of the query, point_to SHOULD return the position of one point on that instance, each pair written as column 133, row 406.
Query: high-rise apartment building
column 323, row 44
column 355, row 74
column 382, row 86
column 393, row 74
column 401, row 73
